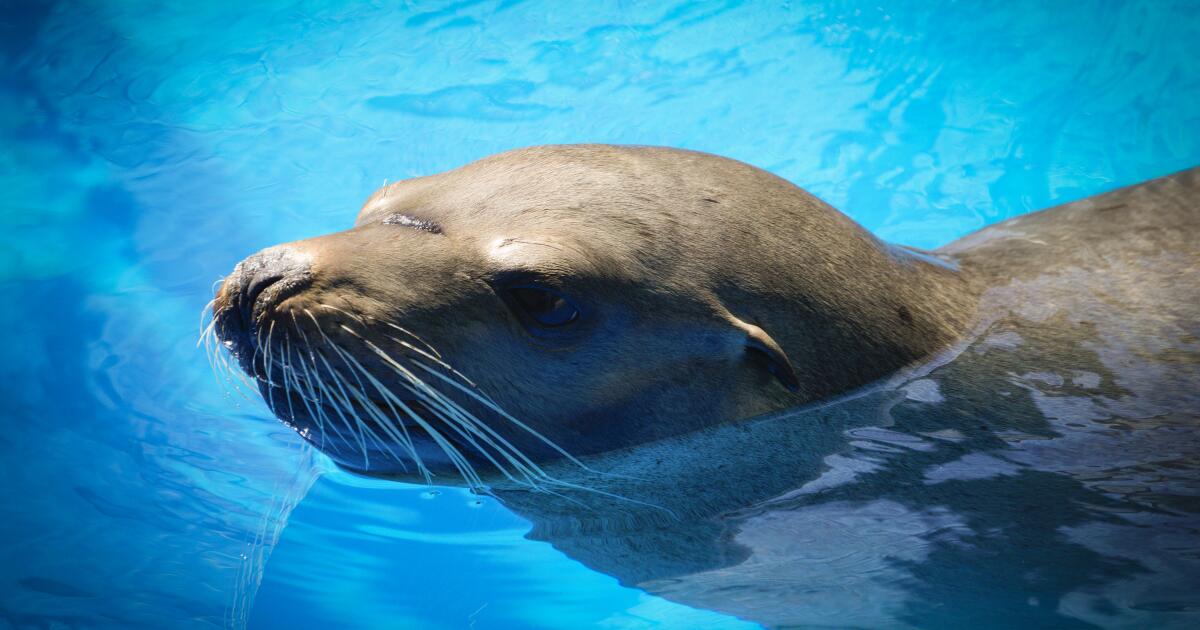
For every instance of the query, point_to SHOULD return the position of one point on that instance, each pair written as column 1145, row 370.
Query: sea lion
column 600, row 296
column 740, row 400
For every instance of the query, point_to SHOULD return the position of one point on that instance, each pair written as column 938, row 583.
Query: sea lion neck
column 848, row 308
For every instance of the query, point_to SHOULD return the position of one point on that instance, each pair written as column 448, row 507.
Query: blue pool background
column 146, row 148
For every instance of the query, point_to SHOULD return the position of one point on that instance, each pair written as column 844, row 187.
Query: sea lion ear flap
column 758, row 341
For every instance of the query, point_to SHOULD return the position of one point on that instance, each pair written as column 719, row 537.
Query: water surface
column 148, row 146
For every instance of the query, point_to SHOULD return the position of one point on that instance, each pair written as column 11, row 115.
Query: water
column 147, row 147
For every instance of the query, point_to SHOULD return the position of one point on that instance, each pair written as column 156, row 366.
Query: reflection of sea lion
column 603, row 297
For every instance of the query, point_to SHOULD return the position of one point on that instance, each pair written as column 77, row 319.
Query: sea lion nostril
column 258, row 283
column 252, row 288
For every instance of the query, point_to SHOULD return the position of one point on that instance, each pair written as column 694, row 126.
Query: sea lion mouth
column 378, row 399
column 369, row 435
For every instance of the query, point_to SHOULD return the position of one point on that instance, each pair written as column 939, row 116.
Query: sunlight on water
column 147, row 147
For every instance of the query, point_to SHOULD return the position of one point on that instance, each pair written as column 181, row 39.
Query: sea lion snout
column 256, row 285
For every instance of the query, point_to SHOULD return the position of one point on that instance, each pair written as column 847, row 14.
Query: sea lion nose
column 257, row 284
column 259, row 280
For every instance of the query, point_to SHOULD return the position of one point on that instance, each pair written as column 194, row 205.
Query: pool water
column 149, row 146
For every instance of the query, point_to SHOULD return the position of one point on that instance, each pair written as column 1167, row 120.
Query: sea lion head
column 538, row 304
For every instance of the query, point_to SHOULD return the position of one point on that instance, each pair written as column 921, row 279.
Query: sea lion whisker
column 267, row 351
column 417, row 386
column 548, row 479
column 432, row 396
column 357, row 318
column 209, row 337
column 545, row 476
column 413, row 378
column 469, row 434
column 327, row 399
column 429, row 349
column 414, row 336
column 268, row 355
column 392, row 401
column 539, row 474
column 440, row 363
column 241, row 383
column 212, row 323
column 283, row 368
column 273, row 359
column 454, row 412
column 497, row 409
column 258, row 344
column 342, row 384
column 465, row 425
column 216, row 358
column 308, row 395
column 365, row 430
column 312, row 383
column 211, row 347
column 349, row 419
column 310, row 399
column 316, row 388
column 234, row 377
column 464, row 467
column 387, row 423
column 460, row 462
column 470, row 430
column 450, row 412
column 290, row 374
column 384, row 423
column 469, row 427
column 615, row 496
column 365, row 403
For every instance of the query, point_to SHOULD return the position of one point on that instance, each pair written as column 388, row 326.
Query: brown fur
column 713, row 234
column 699, row 271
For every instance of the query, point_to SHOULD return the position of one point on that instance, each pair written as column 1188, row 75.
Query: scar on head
column 409, row 221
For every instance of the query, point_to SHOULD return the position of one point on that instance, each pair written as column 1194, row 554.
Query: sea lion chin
column 554, row 302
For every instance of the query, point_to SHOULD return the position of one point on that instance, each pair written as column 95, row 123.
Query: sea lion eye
column 546, row 307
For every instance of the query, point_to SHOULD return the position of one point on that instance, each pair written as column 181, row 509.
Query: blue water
column 146, row 147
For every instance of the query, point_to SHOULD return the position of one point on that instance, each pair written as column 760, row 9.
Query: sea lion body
column 1040, row 472
column 748, row 403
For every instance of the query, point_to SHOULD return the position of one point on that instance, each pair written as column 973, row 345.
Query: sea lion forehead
column 503, row 183
column 624, row 189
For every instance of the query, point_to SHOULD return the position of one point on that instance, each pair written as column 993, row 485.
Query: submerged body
column 1043, row 471
column 1015, row 416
